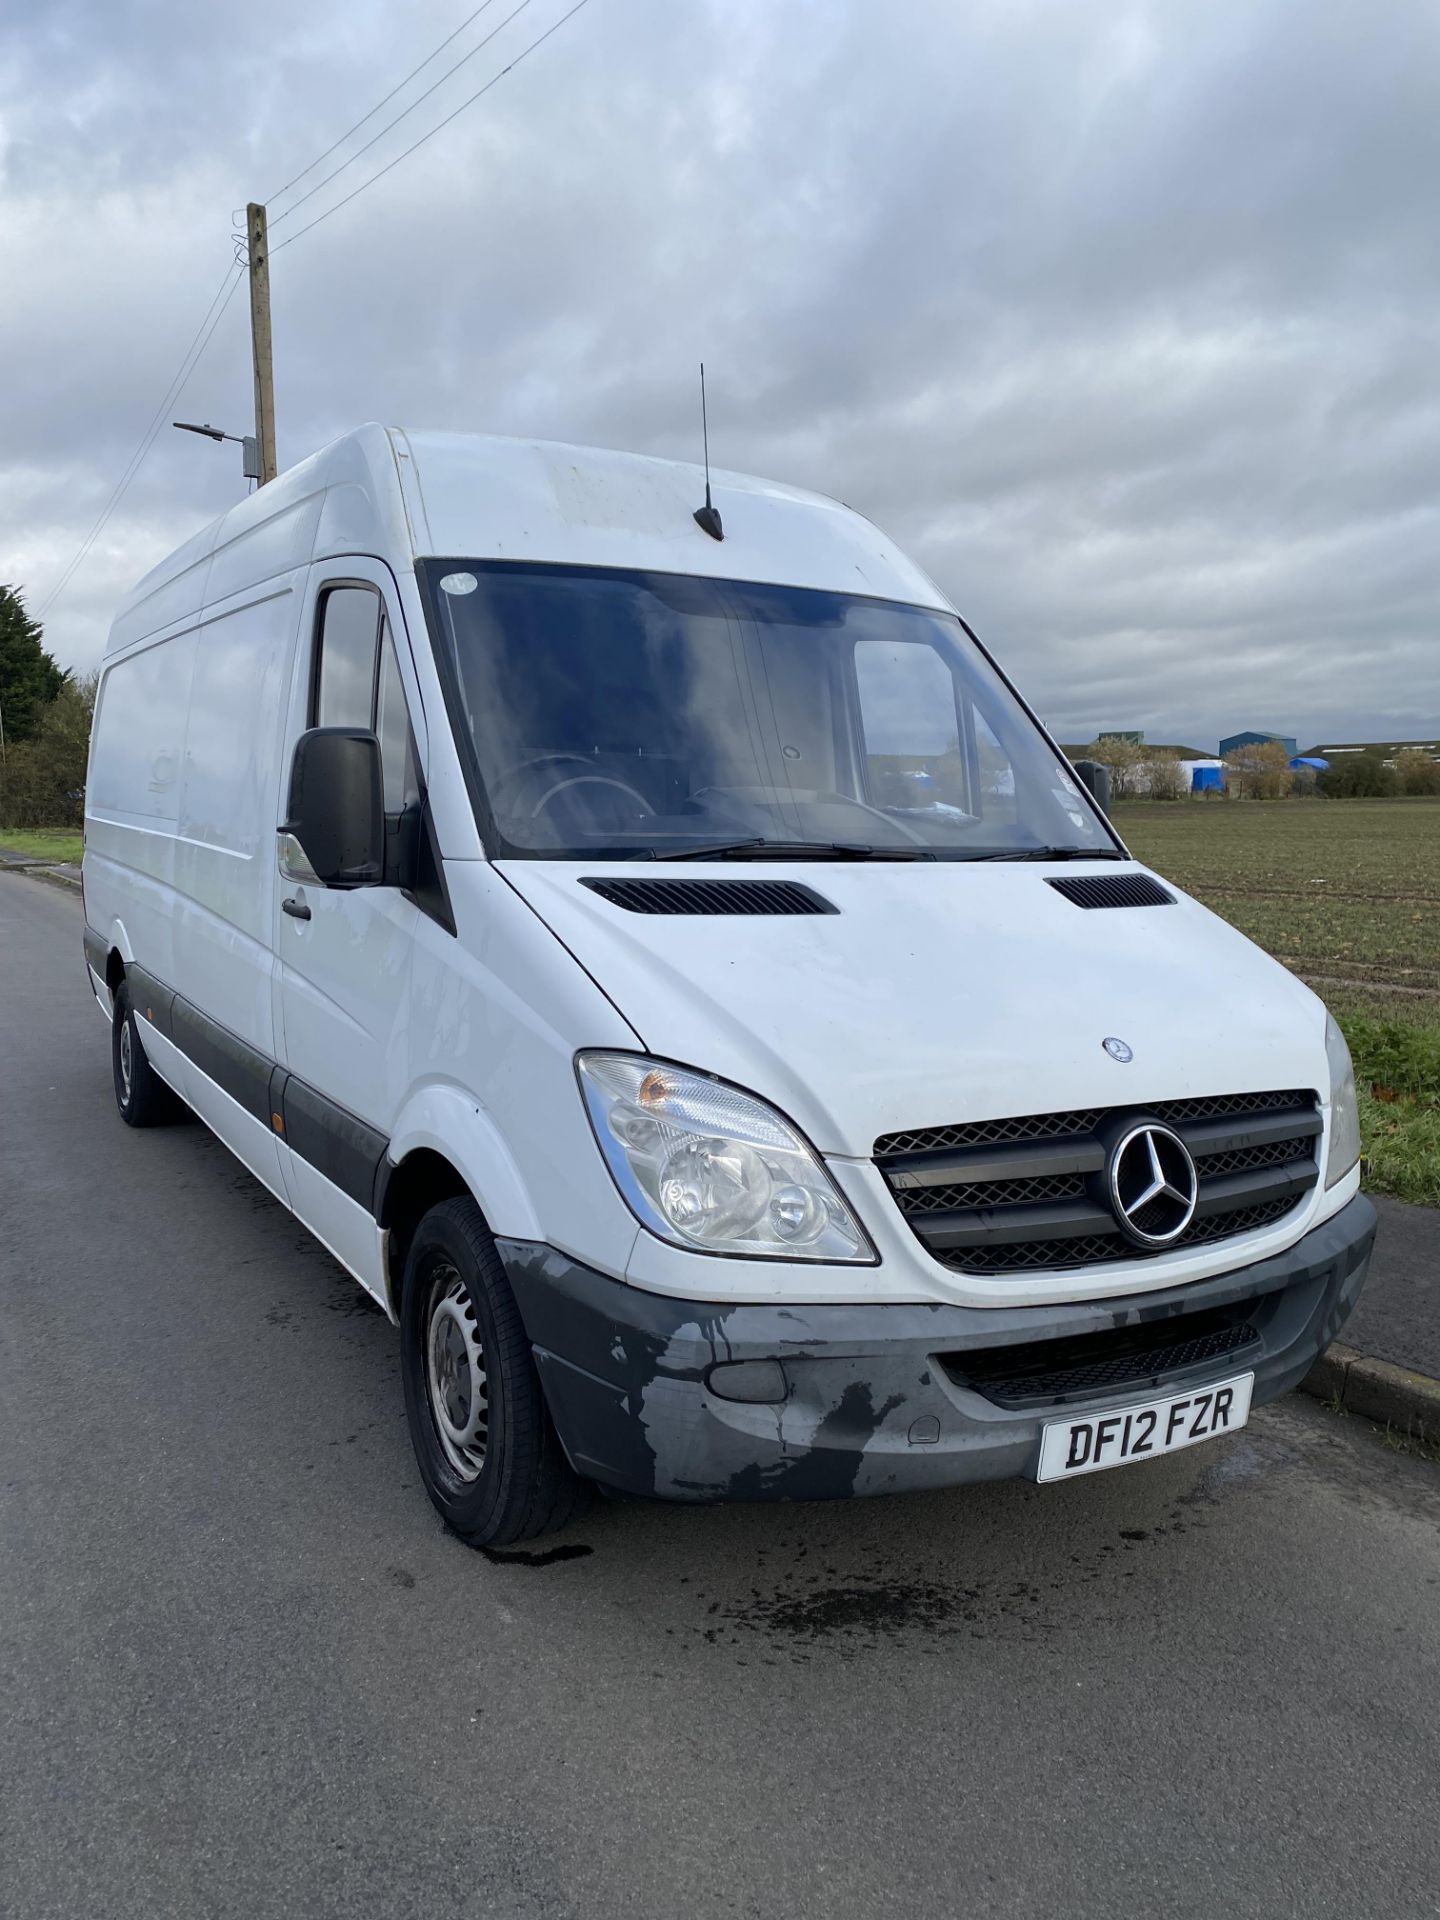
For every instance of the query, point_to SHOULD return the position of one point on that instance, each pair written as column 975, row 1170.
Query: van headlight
column 1344, row 1108
column 713, row 1169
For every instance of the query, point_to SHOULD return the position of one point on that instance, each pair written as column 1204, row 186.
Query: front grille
column 1028, row 1192
column 993, row 1193
column 1242, row 1159
column 1043, row 1126
column 1050, row 1372
column 1094, row 1249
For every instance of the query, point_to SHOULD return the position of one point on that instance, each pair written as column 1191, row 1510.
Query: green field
column 43, row 843
column 1347, row 894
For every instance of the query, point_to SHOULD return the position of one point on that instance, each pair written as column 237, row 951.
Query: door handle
column 296, row 907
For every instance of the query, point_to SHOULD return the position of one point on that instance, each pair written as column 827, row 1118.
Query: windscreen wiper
column 760, row 849
column 1054, row 853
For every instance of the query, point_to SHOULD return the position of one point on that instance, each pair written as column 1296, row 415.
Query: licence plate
column 1094, row 1441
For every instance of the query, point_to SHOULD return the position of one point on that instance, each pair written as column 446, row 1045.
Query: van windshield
column 619, row 714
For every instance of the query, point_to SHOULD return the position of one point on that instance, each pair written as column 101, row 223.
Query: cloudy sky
column 1123, row 318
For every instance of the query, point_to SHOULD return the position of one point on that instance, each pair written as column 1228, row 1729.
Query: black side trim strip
column 96, row 951
column 335, row 1143
column 279, row 1079
column 152, row 1001
column 349, row 1153
column 232, row 1063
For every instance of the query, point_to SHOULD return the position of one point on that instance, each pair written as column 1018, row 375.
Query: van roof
column 401, row 495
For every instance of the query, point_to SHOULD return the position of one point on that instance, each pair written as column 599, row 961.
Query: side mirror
column 1094, row 776
column 337, row 800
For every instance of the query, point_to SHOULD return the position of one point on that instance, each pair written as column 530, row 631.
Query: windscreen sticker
column 459, row 583
column 1067, row 802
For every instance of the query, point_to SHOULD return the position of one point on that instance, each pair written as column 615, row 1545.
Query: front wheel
column 487, row 1449
column 142, row 1096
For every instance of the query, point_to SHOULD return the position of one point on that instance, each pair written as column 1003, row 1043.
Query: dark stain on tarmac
column 571, row 1550
column 856, row 1612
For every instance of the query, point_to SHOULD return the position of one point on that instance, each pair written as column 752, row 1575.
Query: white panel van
column 665, row 961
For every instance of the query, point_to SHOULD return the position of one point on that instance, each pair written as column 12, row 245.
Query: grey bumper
column 875, row 1399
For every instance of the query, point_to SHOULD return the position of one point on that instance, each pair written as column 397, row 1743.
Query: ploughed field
column 1342, row 889
column 1347, row 894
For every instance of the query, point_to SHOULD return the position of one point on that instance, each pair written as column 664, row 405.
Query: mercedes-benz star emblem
column 1153, row 1184
column 1117, row 1050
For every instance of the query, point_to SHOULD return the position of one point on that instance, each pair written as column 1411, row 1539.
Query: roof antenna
column 706, row 518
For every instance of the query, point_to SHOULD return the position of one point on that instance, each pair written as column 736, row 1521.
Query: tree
column 1168, row 778
column 1359, row 776
column 29, row 678
column 1259, row 772
column 43, row 780
column 1418, row 771
column 1125, row 760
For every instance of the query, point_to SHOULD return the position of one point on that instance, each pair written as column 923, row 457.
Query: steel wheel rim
column 455, row 1378
column 126, row 1059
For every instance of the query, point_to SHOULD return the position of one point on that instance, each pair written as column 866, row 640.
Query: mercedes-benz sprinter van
column 666, row 962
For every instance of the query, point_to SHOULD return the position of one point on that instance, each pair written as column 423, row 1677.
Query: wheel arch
column 446, row 1145
column 119, row 954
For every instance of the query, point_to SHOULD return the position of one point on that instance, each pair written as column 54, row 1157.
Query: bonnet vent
column 710, row 896
column 1114, row 890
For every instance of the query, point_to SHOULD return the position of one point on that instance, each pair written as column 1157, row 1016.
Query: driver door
column 345, row 954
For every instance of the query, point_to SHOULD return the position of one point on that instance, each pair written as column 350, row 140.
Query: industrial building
column 1251, row 739
column 1386, row 751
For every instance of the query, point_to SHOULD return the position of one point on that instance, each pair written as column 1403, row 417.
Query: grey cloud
column 1121, row 318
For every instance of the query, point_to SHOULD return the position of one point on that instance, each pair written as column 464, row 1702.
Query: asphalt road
column 1398, row 1319
column 244, row 1671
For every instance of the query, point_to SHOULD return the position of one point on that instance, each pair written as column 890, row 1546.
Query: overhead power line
column 403, row 114
column 236, row 273
column 539, row 41
column 188, row 363
column 399, row 87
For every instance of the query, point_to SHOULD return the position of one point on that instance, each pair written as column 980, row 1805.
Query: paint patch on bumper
column 867, row 1408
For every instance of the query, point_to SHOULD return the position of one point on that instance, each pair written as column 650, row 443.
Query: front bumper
column 860, row 1401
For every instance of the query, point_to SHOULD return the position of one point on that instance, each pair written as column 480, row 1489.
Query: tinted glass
column 392, row 724
column 611, row 711
column 910, row 723
column 345, row 685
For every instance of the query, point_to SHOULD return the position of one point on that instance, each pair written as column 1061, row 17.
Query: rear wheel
column 142, row 1096
column 486, row 1446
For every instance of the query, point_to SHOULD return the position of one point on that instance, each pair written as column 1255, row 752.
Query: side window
column 345, row 672
column 913, row 757
column 357, row 684
column 392, row 725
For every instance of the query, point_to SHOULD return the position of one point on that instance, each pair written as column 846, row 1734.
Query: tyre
column 142, row 1096
column 488, row 1451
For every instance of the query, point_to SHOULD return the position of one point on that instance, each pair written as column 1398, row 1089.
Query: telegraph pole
column 258, row 243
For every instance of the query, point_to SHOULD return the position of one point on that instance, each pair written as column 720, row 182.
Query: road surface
column 245, row 1672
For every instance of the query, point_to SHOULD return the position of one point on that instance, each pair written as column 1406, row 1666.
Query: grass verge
column 43, row 843
column 1396, row 1049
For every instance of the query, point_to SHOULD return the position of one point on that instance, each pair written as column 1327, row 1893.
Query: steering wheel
column 586, row 777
